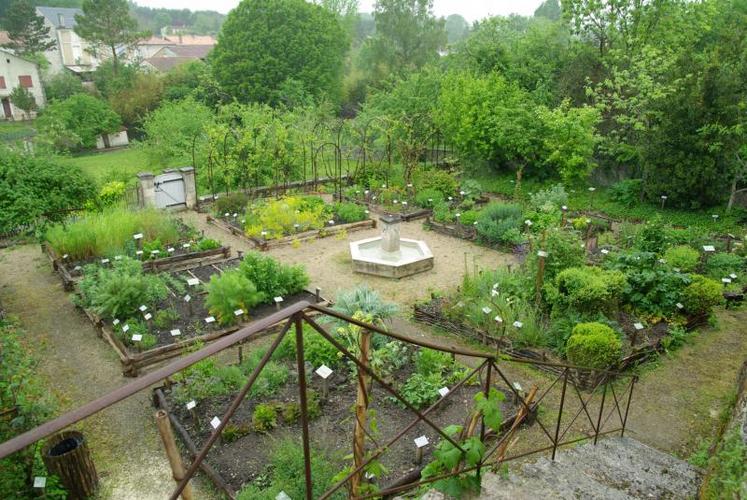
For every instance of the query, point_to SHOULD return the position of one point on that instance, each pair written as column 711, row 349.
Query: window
column 25, row 81
column 2, row 82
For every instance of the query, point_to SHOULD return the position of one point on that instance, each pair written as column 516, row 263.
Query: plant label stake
column 115, row 322
column 519, row 392
column 125, row 328
column 176, row 332
column 191, row 408
column 539, row 280
column 139, row 254
column 215, row 423
column 680, row 305
column 443, row 391
column 64, row 257
column 563, row 211
column 104, row 262
column 282, row 496
column 137, row 337
column 324, row 372
column 193, row 281
column 188, row 300
column 278, row 300
column 40, row 482
column 210, row 319
column 663, row 200
column 318, row 295
column 143, row 308
column 238, row 312
column 638, row 327
column 139, row 241
column 420, row 443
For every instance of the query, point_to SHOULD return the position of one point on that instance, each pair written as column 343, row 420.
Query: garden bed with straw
column 264, row 432
column 181, row 320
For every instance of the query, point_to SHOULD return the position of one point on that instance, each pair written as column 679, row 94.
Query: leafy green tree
column 23, row 100
column 549, row 9
column 132, row 104
column 171, row 129
column 457, row 28
column 408, row 36
column 76, row 122
column 107, row 24
column 264, row 43
column 26, row 30
column 61, row 86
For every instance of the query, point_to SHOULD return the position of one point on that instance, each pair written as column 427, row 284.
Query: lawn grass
column 599, row 201
column 11, row 131
column 118, row 165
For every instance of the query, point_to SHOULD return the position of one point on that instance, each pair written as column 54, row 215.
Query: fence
column 554, row 428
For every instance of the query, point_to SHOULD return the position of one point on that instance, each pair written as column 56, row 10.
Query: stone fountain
column 389, row 255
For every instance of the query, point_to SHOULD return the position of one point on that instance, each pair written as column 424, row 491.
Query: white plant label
column 64, row 257
column 283, row 496
column 498, row 319
column 324, row 371
column 487, row 310
column 676, row 269
column 148, row 316
column 638, row 326
column 226, row 214
column 104, row 261
column 40, row 482
column 709, row 248
column 193, row 282
column 176, row 332
column 528, row 223
column 126, row 328
column 517, row 386
column 115, row 322
column 186, row 245
column 278, row 299
column 605, row 251
column 138, row 236
column 210, row 319
column 518, row 324
column 155, row 252
column 191, row 404
column 187, row 298
column 77, row 268
column 137, row 337
column 139, row 252
column 117, row 257
column 663, row 197
column 143, row 308
column 494, row 293
column 733, row 276
column 215, row 422
column 564, row 208
column 421, row 441
column 171, row 249
column 680, row 305
column 235, row 215
column 238, row 312
column 592, row 189
column 443, row 391
column 726, row 280
column 542, row 253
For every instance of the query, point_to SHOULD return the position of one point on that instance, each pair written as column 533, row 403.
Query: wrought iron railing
column 487, row 370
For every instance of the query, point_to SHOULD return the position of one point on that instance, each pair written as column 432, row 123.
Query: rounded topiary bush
column 683, row 257
column 700, row 296
column 593, row 345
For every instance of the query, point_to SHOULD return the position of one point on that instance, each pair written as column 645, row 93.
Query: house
column 149, row 47
column 16, row 71
column 170, row 57
column 71, row 51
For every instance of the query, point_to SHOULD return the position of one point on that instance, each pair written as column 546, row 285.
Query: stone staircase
column 616, row 468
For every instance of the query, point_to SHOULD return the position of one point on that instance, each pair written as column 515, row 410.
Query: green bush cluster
column 500, row 223
column 421, row 390
column 229, row 292
column 271, row 277
column 594, row 345
column 722, row 265
column 264, row 417
column 272, row 219
column 682, row 257
column 429, row 198
column 700, row 296
column 234, row 203
column 350, row 212
column 586, row 289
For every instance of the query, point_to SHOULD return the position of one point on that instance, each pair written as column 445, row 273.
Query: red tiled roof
column 165, row 64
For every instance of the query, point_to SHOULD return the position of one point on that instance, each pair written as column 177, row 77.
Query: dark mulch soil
column 243, row 460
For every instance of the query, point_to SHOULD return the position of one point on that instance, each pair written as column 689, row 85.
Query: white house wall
column 11, row 68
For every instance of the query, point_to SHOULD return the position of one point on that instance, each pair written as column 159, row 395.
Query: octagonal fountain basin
column 389, row 255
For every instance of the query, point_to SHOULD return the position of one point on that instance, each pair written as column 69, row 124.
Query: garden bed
column 186, row 324
column 181, row 258
column 229, row 225
column 242, row 455
column 643, row 344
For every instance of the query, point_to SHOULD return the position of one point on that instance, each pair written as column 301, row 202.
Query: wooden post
column 542, row 254
column 175, row 459
column 361, row 407
column 67, row 456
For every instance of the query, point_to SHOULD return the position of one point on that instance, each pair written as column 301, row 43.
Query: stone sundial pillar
column 390, row 233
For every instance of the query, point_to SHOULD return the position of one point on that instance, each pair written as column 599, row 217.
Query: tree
column 457, row 28
column 61, row 86
column 107, row 23
column 549, row 9
column 26, row 30
column 407, row 37
column 76, row 122
column 23, row 100
column 171, row 130
column 265, row 43
column 132, row 104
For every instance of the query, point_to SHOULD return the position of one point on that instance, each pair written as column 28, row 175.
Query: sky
column 472, row 10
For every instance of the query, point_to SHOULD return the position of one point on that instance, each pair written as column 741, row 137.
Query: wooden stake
column 361, row 407
column 175, row 459
column 540, row 271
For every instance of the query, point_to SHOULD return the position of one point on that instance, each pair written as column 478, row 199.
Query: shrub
column 550, row 199
column 278, row 218
column 366, row 300
column 291, row 412
column 234, row 203
column 627, row 192
column 442, row 212
column 206, row 244
column 682, row 257
column 170, row 131
column 586, row 289
column 429, row 198
column 500, row 223
column 593, row 345
column 112, row 193
column 318, row 350
column 76, row 122
column 264, row 418
column 564, row 249
column 471, row 188
column 32, row 187
column 652, row 236
column 721, row 265
column 700, row 296
column 272, row 278
column 421, row 390
column 117, row 292
column 165, row 317
column 229, row 292
column 350, row 212
column 469, row 217
column 438, row 180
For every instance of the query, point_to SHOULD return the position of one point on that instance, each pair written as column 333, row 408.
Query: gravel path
column 78, row 367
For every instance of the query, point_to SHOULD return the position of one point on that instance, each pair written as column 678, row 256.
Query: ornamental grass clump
column 110, row 232
column 593, row 345
column 500, row 223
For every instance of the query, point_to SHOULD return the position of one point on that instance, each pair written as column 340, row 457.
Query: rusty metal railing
column 294, row 317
